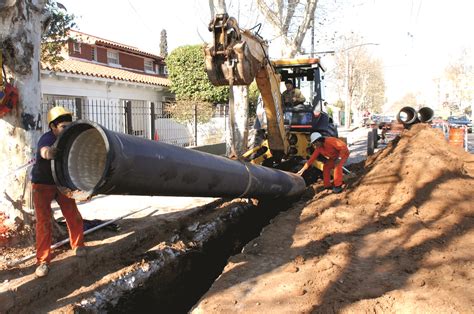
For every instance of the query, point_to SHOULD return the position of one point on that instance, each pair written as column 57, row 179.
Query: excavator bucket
column 228, row 59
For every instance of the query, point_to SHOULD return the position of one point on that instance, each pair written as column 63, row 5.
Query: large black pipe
column 407, row 115
column 425, row 114
column 93, row 160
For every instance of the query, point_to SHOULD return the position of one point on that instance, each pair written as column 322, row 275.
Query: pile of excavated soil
column 399, row 239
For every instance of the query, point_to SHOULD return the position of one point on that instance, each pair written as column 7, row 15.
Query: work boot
column 337, row 189
column 42, row 270
column 80, row 251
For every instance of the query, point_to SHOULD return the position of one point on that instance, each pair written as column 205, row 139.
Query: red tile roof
column 94, row 40
column 74, row 66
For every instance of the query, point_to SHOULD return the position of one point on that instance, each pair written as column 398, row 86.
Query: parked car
column 385, row 121
column 460, row 121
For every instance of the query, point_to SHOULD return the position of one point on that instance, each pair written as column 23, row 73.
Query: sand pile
column 417, row 168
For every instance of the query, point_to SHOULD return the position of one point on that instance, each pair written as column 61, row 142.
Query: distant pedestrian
column 45, row 191
column 337, row 153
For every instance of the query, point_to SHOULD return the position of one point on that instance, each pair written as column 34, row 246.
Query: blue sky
column 417, row 38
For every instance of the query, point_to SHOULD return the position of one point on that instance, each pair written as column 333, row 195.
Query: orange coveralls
column 43, row 195
column 332, row 148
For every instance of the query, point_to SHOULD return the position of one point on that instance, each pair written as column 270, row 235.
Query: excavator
column 238, row 57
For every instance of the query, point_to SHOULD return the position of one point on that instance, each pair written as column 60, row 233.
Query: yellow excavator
column 239, row 56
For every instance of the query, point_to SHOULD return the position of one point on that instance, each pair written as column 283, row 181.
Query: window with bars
column 112, row 57
column 76, row 47
column 93, row 54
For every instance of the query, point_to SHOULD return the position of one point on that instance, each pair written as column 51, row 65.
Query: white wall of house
column 109, row 95
column 76, row 85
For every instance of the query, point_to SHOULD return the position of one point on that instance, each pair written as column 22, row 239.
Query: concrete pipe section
column 407, row 115
column 93, row 160
column 425, row 114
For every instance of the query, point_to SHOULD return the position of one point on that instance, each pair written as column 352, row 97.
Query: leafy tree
column 460, row 76
column 189, row 80
column 363, row 74
column 55, row 35
column 253, row 99
column 190, row 83
column 409, row 99
column 371, row 94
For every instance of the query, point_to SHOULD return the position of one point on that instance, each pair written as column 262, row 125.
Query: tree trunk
column 217, row 7
column 238, row 122
column 237, row 133
column 20, row 38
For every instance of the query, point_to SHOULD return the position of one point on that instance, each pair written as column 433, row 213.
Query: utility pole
column 347, row 101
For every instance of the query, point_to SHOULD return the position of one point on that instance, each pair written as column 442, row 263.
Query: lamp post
column 348, row 98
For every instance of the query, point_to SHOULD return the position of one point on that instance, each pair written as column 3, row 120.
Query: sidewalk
column 106, row 207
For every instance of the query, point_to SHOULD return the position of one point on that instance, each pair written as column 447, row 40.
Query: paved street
column 357, row 142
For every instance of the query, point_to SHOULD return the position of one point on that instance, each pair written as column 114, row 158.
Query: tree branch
column 289, row 15
column 300, row 34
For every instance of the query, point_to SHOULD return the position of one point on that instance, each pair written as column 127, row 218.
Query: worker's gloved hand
column 337, row 161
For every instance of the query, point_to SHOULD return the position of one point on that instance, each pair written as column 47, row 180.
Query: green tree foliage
column 188, row 77
column 253, row 99
column 55, row 35
column 191, row 85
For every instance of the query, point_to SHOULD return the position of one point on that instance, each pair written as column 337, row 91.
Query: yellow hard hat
column 56, row 112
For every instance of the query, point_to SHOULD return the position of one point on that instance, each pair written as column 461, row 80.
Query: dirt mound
column 398, row 240
column 410, row 168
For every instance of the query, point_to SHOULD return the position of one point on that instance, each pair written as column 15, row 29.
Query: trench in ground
column 179, row 286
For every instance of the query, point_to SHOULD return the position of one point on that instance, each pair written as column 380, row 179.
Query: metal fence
column 143, row 119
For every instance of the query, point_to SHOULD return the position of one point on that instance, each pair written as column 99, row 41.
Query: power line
column 140, row 18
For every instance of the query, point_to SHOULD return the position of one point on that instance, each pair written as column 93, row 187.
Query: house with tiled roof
column 119, row 86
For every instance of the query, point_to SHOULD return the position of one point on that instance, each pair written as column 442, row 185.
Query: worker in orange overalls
column 45, row 191
column 336, row 151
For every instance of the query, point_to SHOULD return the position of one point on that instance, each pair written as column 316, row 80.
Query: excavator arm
column 237, row 57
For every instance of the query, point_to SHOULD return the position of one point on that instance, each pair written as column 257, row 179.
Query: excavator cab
column 310, row 116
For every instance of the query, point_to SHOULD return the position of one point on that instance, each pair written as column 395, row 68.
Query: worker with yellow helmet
column 45, row 191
